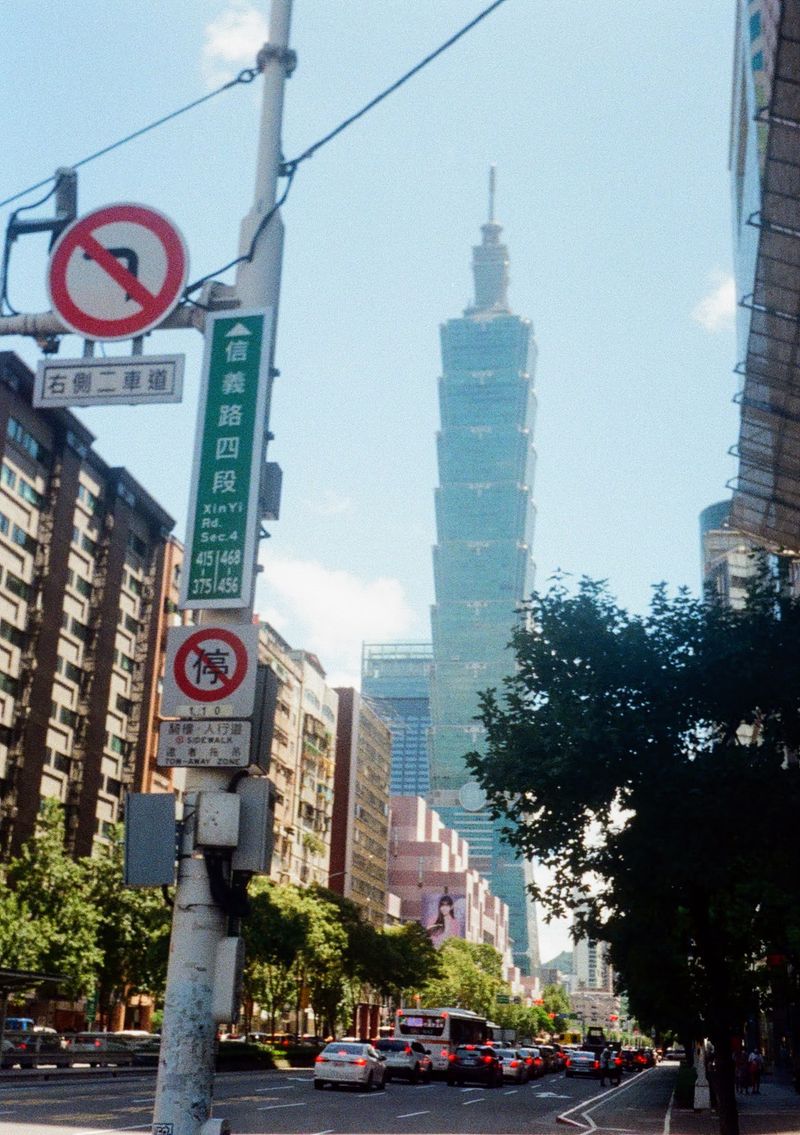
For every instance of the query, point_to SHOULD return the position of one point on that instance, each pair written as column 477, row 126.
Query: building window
column 29, row 494
column 18, row 586
column 8, row 476
column 17, row 432
column 23, row 539
column 88, row 499
column 8, row 684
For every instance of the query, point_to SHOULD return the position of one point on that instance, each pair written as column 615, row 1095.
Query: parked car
column 474, row 1062
column 534, row 1062
column 408, row 1059
column 350, row 1062
column 582, row 1062
column 100, row 1048
column 23, row 1048
column 513, row 1065
column 675, row 1054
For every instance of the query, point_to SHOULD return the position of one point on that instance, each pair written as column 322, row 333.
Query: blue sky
column 609, row 126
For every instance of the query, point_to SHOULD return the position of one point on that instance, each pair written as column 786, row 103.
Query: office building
column 85, row 562
column 482, row 560
column 395, row 677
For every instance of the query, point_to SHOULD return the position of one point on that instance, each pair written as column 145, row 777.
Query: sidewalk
column 774, row 1111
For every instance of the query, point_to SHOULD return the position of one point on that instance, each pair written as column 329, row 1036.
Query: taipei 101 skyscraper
column 482, row 560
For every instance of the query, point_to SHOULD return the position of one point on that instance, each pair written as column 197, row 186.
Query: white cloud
column 232, row 41
column 331, row 613
column 716, row 310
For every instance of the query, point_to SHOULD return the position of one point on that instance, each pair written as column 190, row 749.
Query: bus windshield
column 421, row 1026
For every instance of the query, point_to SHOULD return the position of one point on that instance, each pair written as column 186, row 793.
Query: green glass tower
column 482, row 559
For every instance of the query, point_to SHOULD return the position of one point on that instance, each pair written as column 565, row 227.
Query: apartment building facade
column 85, row 562
column 360, row 830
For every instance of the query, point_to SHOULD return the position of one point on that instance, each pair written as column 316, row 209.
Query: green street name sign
column 222, row 531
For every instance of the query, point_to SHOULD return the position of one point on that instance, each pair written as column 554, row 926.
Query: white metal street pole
column 186, row 1065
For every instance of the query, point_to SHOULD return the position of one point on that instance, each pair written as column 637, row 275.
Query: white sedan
column 348, row 1062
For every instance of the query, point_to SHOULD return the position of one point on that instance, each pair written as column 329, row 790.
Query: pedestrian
column 755, row 1062
column 605, row 1066
column 742, row 1072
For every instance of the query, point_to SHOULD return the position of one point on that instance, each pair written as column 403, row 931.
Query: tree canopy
column 651, row 764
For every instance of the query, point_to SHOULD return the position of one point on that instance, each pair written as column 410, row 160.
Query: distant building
column 360, row 829
column 591, row 967
column 86, row 567
column 396, row 678
column 483, row 566
column 431, row 872
column 727, row 555
column 285, row 757
column 314, row 792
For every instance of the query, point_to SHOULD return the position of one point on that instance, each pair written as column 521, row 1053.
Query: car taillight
column 618, row 1061
column 407, row 1051
column 537, row 1060
column 96, row 1043
column 488, row 1059
column 567, row 1062
column 596, row 1064
column 451, row 1056
column 360, row 1061
column 513, row 1064
column 320, row 1059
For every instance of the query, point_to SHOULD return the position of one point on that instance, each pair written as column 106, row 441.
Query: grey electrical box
column 227, row 992
column 257, row 819
column 264, row 717
column 217, row 819
column 150, row 850
column 270, row 490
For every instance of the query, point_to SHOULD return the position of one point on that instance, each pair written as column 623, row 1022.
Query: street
column 279, row 1103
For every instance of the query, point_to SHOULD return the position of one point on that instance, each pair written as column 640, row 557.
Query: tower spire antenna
column 492, row 183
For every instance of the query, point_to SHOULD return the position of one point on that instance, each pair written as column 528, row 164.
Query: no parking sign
column 210, row 671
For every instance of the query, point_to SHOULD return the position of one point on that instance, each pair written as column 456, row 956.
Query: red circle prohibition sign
column 225, row 683
column 151, row 305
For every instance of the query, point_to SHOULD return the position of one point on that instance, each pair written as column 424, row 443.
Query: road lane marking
column 513, row 1092
column 409, row 1114
column 276, row 1106
column 477, row 1099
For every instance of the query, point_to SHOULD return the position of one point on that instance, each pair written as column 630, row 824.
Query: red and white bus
column 440, row 1030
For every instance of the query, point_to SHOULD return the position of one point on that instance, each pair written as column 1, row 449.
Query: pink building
column 429, row 870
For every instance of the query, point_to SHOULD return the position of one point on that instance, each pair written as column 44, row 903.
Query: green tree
column 53, row 889
column 275, row 932
column 404, row 962
column 651, row 763
column 470, row 977
column 132, row 932
column 20, row 943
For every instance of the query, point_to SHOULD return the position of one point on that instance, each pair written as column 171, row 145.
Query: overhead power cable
column 245, row 76
column 289, row 168
column 390, row 90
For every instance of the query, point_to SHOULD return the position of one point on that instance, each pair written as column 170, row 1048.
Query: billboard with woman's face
column 444, row 916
